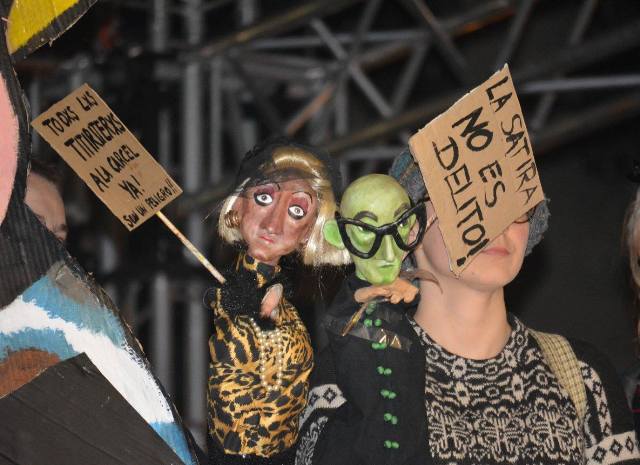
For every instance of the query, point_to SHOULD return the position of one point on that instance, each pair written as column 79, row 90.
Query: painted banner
column 106, row 155
column 75, row 386
column 478, row 166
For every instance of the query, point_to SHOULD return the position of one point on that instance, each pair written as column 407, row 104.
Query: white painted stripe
column 120, row 365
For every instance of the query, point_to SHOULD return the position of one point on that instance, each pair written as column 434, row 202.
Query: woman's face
column 496, row 266
column 276, row 218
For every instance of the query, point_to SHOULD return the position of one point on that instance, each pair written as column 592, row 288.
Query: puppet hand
column 367, row 294
column 398, row 290
column 401, row 289
column 269, row 305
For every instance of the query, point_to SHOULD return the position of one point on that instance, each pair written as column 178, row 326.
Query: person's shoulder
column 594, row 358
column 586, row 353
column 604, row 386
column 597, row 370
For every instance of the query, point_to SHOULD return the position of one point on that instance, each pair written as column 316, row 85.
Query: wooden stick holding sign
column 88, row 135
column 192, row 248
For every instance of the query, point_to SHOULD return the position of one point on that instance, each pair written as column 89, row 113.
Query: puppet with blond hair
column 261, row 355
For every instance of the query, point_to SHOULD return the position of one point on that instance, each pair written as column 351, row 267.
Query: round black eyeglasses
column 369, row 248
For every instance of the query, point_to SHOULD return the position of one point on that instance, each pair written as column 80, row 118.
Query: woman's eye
column 262, row 198
column 296, row 212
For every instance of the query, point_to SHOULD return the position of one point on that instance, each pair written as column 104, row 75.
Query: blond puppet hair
column 316, row 251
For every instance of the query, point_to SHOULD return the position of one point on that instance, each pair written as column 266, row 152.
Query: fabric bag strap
column 564, row 364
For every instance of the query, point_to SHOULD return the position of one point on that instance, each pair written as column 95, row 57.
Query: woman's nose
column 274, row 220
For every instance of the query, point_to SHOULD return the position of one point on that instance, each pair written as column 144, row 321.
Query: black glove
column 240, row 295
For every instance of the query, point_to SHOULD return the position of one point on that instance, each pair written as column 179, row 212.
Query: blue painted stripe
column 99, row 320
column 52, row 341
column 96, row 318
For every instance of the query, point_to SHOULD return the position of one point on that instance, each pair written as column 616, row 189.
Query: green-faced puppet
column 374, row 224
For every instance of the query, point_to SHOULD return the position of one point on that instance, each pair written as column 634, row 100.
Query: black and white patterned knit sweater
column 509, row 409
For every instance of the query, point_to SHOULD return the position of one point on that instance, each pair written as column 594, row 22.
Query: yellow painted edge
column 29, row 17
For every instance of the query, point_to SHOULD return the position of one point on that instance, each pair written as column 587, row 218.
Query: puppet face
column 377, row 200
column 276, row 218
column 493, row 268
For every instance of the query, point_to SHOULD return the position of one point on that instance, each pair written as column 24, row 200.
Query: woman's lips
column 496, row 251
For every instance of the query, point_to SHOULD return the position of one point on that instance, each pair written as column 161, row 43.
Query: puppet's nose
column 386, row 248
column 273, row 222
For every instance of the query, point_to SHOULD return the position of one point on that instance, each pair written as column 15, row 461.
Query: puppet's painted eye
column 363, row 233
column 262, row 198
column 296, row 212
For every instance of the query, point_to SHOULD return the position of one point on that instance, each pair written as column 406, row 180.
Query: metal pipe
column 247, row 12
column 270, row 26
column 410, row 35
column 234, row 118
column 515, row 32
column 165, row 128
column 212, row 4
column 215, row 120
column 621, row 39
column 312, row 107
column 580, row 84
column 443, row 41
column 159, row 30
column 263, row 105
column 161, row 336
column 196, row 358
column 585, row 122
column 384, row 152
column 468, row 21
column 193, row 177
column 351, row 67
column 579, row 28
column 370, row 91
column 409, row 75
column 283, row 67
column 341, row 107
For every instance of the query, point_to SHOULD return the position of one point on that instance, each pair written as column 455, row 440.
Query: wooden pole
column 192, row 248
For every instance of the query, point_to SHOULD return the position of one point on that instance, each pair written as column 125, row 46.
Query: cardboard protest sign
column 104, row 153
column 478, row 165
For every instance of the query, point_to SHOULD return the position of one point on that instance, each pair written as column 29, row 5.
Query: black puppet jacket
column 366, row 404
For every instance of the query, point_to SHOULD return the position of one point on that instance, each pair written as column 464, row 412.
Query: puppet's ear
column 332, row 234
